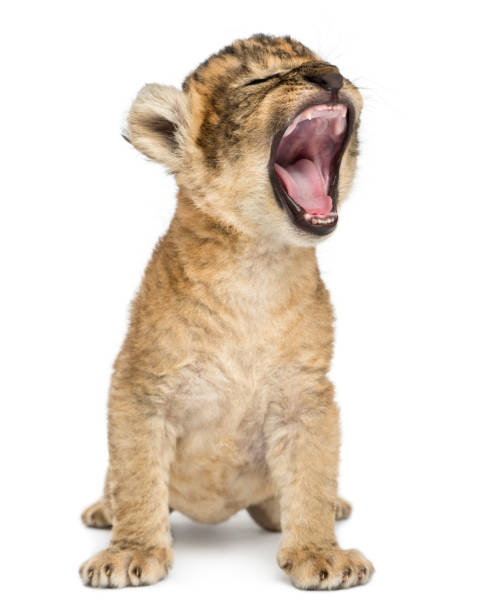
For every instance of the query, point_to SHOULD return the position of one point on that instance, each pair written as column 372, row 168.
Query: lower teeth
column 317, row 220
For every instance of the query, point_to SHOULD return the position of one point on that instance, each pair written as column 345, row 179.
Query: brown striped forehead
column 250, row 56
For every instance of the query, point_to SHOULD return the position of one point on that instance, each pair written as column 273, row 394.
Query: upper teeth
column 336, row 112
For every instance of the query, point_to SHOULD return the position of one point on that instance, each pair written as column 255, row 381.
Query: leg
column 99, row 513
column 141, row 448
column 342, row 509
column 303, row 449
column 267, row 514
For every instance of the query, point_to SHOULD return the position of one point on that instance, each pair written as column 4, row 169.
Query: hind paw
column 96, row 515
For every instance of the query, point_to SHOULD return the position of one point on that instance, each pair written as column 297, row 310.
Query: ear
column 158, row 123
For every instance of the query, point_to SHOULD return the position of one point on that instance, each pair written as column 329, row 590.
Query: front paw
column 115, row 567
column 315, row 567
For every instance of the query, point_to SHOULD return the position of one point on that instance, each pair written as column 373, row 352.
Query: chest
column 251, row 336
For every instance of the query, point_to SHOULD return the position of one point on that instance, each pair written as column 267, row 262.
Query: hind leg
column 342, row 509
column 99, row 514
column 267, row 514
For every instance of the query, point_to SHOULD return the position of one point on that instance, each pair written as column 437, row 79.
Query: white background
column 408, row 270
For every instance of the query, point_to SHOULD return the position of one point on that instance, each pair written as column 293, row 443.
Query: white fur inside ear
column 157, row 124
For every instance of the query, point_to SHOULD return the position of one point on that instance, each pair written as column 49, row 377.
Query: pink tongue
column 305, row 185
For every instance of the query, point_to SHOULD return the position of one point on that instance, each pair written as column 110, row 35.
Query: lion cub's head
column 262, row 137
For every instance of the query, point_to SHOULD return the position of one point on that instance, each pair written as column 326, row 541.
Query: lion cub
column 219, row 398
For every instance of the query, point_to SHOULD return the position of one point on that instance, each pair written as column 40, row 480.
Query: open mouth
column 305, row 163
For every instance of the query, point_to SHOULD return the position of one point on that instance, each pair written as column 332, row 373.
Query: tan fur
column 219, row 399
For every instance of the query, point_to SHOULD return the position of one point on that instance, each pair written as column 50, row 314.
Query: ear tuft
column 158, row 122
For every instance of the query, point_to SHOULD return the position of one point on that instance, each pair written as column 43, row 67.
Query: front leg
column 303, row 455
column 141, row 449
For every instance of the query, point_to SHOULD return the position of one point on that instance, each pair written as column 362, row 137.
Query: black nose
column 332, row 81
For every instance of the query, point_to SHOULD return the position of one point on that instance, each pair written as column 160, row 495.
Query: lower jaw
column 316, row 225
column 307, row 223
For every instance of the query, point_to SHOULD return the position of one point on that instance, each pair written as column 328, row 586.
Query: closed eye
column 257, row 81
